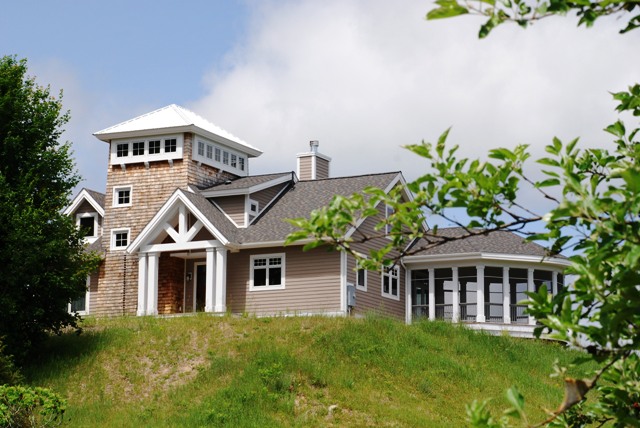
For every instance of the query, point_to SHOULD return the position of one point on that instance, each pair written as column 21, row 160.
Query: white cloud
column 365, row 77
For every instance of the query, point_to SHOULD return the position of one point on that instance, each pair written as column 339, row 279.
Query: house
column 184, row 227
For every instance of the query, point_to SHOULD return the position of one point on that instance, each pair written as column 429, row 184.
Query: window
column 119, row 239
column 217, row 154
column 361, row 279
column 209, row 151
column 87, row 226
column 122, row 196
column 253, row 207
column 390, row 280
column 241, row 163
column 234, row 161
column 388, row 212
column 138, row 148
column 267, row 272
column 170, row 145
column 154, row 147
column 201, row 148
column 81, row 305
column 122, row 150
column 225, row 158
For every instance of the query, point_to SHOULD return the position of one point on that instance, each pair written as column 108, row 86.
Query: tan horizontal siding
column 372, row 299
column 312, row 283
column 264, row 197
column 233, row 206
column 305, row 168
column 322, row 168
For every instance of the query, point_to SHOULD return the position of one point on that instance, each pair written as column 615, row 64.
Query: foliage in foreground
column 42, row 263
column 596, row 213
column 274, row 372
column 22, row 406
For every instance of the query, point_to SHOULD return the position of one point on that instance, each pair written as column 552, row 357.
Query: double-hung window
column 391, row 282
column 200, row 148
column 267, row 272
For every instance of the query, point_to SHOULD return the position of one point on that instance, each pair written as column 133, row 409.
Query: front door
column 200, row 285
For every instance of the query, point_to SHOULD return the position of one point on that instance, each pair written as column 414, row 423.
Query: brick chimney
column 313, row 165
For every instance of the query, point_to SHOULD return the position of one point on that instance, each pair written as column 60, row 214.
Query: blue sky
column 363, row 77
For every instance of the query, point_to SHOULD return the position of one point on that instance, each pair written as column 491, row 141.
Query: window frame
column 116, row 196
column 157, row 145
column 80, row 216
column 87, row 297
column 137, row 143
column 120, row 148
column 252, row 267
column 361, row 287
column 388, row 212
column 114, row 232
column 387, row 273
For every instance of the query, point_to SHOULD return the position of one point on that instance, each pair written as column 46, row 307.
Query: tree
column 596, row 213
column 43, row 265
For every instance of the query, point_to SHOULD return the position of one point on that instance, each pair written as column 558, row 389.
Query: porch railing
column 444, row 311
column 421, row 311
column 468, row 311
column 517, row 314
column 496, row 316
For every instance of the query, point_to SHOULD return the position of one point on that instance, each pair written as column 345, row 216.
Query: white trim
column 156, row 224
column 77, row 201
column 113, row 238
column 408, row 298
column 214, row 193
column 87, row 299
column 116, row 195
column 343, row 281
column 210, row 146
column 114, row 159
column 450, row 260
column 96, row 225
column 180, row 246
column 357, row 285
column 389, row 274
column 280, row 286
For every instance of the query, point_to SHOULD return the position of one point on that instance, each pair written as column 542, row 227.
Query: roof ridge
column 352, row 176
column 134, row 118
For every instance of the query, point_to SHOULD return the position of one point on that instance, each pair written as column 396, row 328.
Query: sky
column 362, row 77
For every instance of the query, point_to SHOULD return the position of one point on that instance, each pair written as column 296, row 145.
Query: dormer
column 244, row 199
column 161, row 136
column 87, row 208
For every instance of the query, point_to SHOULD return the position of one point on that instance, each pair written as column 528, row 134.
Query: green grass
column 264, row 372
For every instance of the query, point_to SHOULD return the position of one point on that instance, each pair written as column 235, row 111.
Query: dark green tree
column 43, row 265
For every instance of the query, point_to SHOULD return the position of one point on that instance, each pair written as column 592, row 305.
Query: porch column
column 506, row 296
column 211, row 267
column 455, row 298
column 480, row 293
column 531, row 287
column 152, row 283
column 432, row 294
column 142, row 284
column 221, row 280
column 554, row 283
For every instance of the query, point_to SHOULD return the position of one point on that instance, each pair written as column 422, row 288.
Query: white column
column 432, row 294
column 506, row 296
column 408, row 297
column 211, row 269
column 531, row 287
column 182, row 222
column 455, row 298
column 142, row 284
column 554, row 283
column 221, row 280
column 152, row 283
column 480, row 293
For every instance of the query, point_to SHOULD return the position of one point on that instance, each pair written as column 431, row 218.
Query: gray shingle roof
column 248, row 182
column 215, row 216
column 99, row 197
column 500, row 242
column 302, row 198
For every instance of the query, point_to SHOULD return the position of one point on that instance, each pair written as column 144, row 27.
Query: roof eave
column 484, row 257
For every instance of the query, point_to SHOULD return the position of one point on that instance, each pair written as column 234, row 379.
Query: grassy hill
column 262, row 372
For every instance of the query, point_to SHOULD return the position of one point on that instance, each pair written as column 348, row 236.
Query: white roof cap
column 174, row 118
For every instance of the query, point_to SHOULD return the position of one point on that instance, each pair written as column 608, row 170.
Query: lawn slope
column 312, row 371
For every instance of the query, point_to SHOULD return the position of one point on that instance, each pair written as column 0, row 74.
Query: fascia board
column 267, row 244
column 246, row 190
column 158, row 220
column 411, row 261
column 78, row 200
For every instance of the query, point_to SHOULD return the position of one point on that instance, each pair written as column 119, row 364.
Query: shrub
column 23, row 406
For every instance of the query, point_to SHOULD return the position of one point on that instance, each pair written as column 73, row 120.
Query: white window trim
column 358, row 286
column 211, row 161
column 113, row 238
column 87, row 296
column 117, row 189
column 387, row 227
column 257, row 211
column 280, row 286
column 385, row 274
column 146, row 157
column 96, row 232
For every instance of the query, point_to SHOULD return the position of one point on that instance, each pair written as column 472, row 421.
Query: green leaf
column 447, row 9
